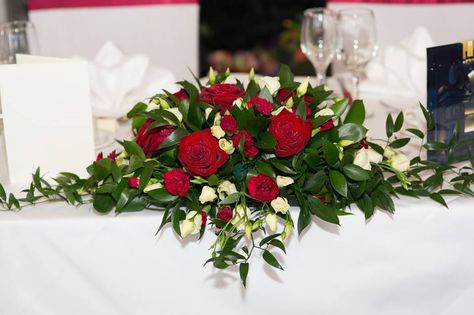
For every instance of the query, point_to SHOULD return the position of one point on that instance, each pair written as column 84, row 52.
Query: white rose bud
column 175, row 111
column 279, row 110
column 287, row 229
column 207, row 112
column 252, row 74
column 324, row 112
column 226, row 188
column 271, row 220
column 217, row 132
column 153, row 186
column 400, row 162
column 211, row 75
column 227, row 71
column 344, row 143
column 280, row 204
column 248, row 230
column 289, row 103
column 271, row 83
column 217, row 119
column 283, row 181
column 374, row 156
column 389, row 152
column 241, row 215
column 192, row 224
column 302, row 88
column 226, row 146
column 238, row 102
column 208, row 194
column 362, row 159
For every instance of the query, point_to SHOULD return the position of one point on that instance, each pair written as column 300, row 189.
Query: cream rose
column 271, row 220
column 271, row 83
column 280, row 204
column 283, row 181
column 324, row 112
column 400, row 162
column 302, row 88
column 226, row 188
column 226, row 146
column 192, row 224
column 361, row 159
column 208, row 194
column 217, row 132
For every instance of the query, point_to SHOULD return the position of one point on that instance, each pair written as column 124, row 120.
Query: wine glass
column 319, row 39
column 357, row 41
column 17, row 37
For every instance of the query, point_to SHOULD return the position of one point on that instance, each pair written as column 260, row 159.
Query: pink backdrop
column 405, row 1
column 49, row 4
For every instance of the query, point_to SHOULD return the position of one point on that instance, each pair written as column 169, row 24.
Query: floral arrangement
column 232, row 159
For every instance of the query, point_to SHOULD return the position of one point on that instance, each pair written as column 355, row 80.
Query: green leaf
column 438, row 198
column 301, row 109
column 383, row 200
column 315, row 182
column 146, row 174
column 231, row 199
column 267, row 239
column 356, row 113
column 285, row 169
column 266, row 95
column 213, row 180
column 173, row 138
column 103, row 202
column 101, row 169
column 339, row 107
column 416, row 132
column 286, row 76
column 435, row 146
column 3, row 195
column 338, row 182
column 399, row 143
column 389, row 127
column 244, row 270
column 133, row 149
column 355, row 172
column 428, row 117
column 137, row 109
column 365, row 204
column 331, row 153
column 136, row 204
column 377, row 148
column 266, row 141
column 271, row 260
column 398, row 122
column 351, row 132
column 322, row 210
column 279, row 244
column 176, row 218
column 304, row 219
column 169, row 115
column 161, row 195
column 266, row 169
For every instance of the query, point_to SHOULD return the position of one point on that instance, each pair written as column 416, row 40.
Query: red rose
column 250, row 149
column 176, row 182
column 150, row 140
column 100, row 156
column 112, row 155
column 200, row 153
column 181, row 95
column 133, row 182
column 284, row 94
column 291, row 133
column 225, row 214
column 262, row 105
column 262, row 188
column 327, row 125
column 204, row 218
column 228, row 123
column 222, row 95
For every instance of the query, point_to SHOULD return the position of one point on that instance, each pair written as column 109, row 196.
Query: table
column 57, row 259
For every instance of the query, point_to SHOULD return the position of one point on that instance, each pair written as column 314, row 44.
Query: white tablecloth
column 56, row 259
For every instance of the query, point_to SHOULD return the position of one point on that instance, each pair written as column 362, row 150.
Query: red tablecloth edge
column 57, row 4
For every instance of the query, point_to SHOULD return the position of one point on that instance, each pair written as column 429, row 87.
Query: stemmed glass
column 318, row 39
column 17, row 37
column 357, row 41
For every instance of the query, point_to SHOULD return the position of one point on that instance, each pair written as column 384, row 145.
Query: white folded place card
column 47, row 116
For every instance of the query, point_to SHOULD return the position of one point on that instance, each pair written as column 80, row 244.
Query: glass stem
column 356, row 80
column 320, row 78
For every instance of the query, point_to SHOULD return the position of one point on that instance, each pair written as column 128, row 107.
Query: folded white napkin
column 400, row 69
column 118, row 81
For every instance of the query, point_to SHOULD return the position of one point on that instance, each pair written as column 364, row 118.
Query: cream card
column 47, row 116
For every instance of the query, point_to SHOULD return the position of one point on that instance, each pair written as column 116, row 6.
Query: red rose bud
column 112, row 155
column 176, row 182
column 225, row 214
column 181, row 95
column 322, row 198
column 100, row 156
column 228, row 123
column 133, row 182
column 222, row 95
column 204, row 218
column 262, row 105
column 150, row 140
column 327, row 125
column 262, row 188
column 291, row 133
column 250, row 149
column 363, row 144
